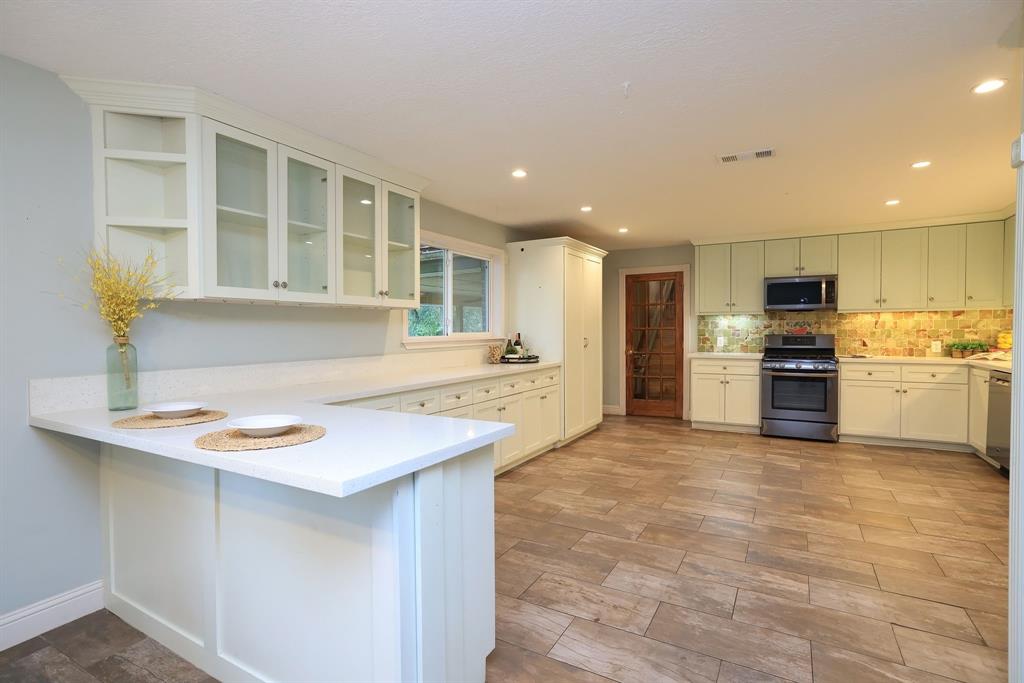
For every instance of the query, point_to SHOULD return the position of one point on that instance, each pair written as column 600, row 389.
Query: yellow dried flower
column 123, row 290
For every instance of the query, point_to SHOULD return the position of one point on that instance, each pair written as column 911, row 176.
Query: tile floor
column 650, row 552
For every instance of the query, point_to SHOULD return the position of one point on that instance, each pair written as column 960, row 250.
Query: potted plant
column 957, row 348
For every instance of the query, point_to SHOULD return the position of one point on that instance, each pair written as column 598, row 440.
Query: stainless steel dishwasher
column 997, row 450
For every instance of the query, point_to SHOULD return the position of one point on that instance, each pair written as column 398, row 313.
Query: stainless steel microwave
column 805, row 293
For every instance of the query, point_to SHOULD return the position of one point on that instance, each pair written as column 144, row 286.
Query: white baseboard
column 907, row 443
column 614, row 410
column 38, row 618
column 719, row 427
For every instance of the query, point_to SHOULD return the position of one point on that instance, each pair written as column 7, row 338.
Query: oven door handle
column 810, row 375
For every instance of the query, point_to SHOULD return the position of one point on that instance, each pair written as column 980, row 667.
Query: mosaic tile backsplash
column 876, row 334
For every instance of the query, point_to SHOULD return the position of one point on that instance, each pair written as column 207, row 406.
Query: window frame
column 495, row 295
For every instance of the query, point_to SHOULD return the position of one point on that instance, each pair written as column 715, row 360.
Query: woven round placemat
column 234, row 440
column 150, row 421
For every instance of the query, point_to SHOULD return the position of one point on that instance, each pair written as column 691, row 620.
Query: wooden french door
column 654, row 344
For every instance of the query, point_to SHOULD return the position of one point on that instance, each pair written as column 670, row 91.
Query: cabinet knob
column 423, row 404
column 387, row 292
column 458, row 397
column 931, row 298
column 878, row 301
column 721, row 381
column 380, row 292
column 970, row 298
column 586, row 342
column 284, row 285
column 487, row 391
column 277, row 283
column 905, row 391
column 885, row 301
column 934, row 375
column 897, row 391
column 543, row 397
column 870, row 373
column 726, row 381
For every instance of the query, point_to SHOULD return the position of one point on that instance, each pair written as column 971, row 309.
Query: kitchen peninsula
column 367, row 555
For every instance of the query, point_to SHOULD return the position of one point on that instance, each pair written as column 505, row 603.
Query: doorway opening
column 654, row 329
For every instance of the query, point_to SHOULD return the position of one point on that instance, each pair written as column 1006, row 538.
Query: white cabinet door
column 860, row 271
column 400, row 246
column 819, row 255
column 977, row 426
column 782, row 258
column 934, row 412
column 743, row 399
column 551, row 415
column 707, row 398
column 489, row 412
column 947, row 246
column 512, row 447
column 593, row 399
column 904, row 269
column 985, row 243
column 533, row 424
column 359, row 239
column 713, row 272
column 574, row 384
column 307, row 227
column 747, row 278
column 868, row 408
column 240, row 219
column 1009, row 260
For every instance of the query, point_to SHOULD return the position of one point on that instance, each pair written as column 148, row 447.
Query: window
column 459, row 282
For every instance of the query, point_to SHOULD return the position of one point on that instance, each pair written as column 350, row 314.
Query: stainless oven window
column 806, row 394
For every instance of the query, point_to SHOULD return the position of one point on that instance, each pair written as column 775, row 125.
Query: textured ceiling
column 848, row 93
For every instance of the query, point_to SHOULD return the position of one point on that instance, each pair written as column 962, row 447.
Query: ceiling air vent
column 766, row 153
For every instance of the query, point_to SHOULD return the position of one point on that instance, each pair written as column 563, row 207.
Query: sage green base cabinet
column 918, row 401
column 977, row 427
column 730, row 278
column 801, row 256
column 725, row 392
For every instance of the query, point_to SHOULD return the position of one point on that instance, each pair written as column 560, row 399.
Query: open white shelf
column 169, row 245
column 148, row 189
column 143, row 133
column 155, row 158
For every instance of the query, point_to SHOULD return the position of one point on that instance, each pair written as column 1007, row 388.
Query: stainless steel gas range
column 800, row 387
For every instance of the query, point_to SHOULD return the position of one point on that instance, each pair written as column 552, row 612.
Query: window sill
column 449, row 342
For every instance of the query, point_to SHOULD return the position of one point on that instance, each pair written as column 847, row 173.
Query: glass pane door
column 307, row 200
column 654, row 307
column 360, row 218
column 243, row 227
column 402, row 244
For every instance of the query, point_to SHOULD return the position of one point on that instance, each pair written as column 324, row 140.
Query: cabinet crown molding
column 188, row 99
column 562, row 242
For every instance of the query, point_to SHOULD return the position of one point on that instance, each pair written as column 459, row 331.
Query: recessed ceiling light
column 990, row 85
column 365, row 201
column 519, row 173
column 586, row 209
column 623, row 229
column 892, row 202
column 921, row 164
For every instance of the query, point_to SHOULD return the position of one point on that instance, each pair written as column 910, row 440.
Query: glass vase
column 122, row 375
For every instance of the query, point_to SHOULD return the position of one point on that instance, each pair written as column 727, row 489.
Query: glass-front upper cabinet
column 306, row 269
column 401, row 243
column 240, row 213
column 359, row 279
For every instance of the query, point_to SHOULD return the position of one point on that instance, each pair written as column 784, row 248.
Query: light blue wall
column 49, row 522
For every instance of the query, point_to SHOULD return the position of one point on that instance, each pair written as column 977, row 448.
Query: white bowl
column 175, row 409
column 265, row 425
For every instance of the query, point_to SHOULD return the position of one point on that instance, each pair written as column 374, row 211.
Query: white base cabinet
column 926, row 403
column 726, row 393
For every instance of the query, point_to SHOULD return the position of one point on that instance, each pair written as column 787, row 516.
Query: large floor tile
column 630, row 658
column 695, row 541
column 536, row 530
column 528, row 625
column 511, row 664
column 754, row 647
column 959, row 592
column 836, row 665
column 649, row 554
column 563, row 561
column 876, row 553
column 646, row 514
column 820, row 624
column 626, row 611
column 738, row 574
column 929, row 544
column 685, row 591
column 46, row 665
column 758, row 533
column 812, row 564
column 951, row 658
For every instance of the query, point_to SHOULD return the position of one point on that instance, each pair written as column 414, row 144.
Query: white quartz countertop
column 1005, row 366
column 362, row 448
column 726, row 354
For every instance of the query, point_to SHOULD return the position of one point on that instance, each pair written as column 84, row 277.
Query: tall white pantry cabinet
column 555, row 300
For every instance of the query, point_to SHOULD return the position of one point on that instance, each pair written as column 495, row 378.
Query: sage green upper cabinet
column 747, row 279
column 819, row 255
column 946, row 248
column 782, row 258
column 1009, row 259
column 985, row 265
column 804, row 256
column 904, row 269
column 713, row 272
column 860, row 271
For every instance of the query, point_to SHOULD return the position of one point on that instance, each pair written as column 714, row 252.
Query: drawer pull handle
column 458, row 397
column 423, row 404
column 897, row 391
column 543, row 397
column 487, row 391
column 870, row 373
column 905, row 391
column 934, row 375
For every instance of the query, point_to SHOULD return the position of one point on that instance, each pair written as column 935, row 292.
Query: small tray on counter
column 520, row 360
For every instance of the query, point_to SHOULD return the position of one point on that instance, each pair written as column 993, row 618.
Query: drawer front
column 935, row 374
column 534, row 380
column 875, row 372
column 485, row 391
column 725, row 366
column 514, row 385
column 465, row 412
column 456, row 396
column 423, row 402
column 549, row 378
column 389, row 403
